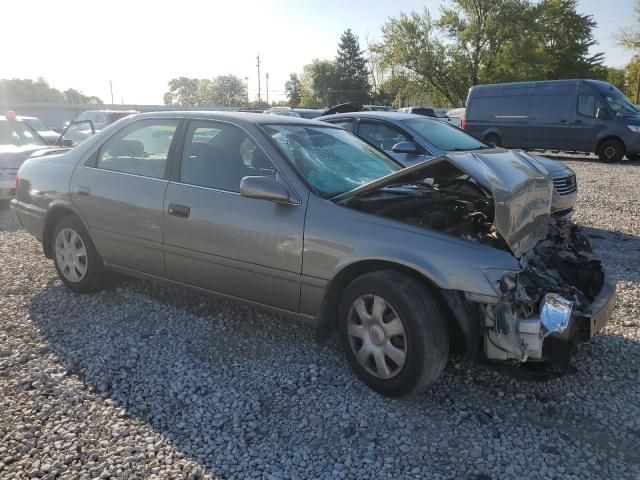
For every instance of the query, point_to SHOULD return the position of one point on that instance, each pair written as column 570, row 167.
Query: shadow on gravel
column 243, row 392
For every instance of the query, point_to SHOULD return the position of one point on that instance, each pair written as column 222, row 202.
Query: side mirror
column 67, row 143
column 602, row 113
column 266, row 188
column 405, row 147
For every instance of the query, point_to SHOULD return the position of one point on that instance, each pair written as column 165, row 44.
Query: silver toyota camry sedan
column 303, row 218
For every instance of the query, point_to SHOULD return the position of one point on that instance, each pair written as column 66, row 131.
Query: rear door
column 120, row 192
column 216, row 239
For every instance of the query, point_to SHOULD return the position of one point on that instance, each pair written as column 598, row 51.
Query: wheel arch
column 461, row 325
column 55, row 213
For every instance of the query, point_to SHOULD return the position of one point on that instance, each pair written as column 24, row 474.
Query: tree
column 630, row 37
column 186, row 91
column 352, row 75
column 293, row 88
column 72, row 95
column 226, row 90
column 318, row 84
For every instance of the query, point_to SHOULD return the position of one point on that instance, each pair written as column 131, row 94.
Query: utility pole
column 267, row 75
column 258, row 65
column 638, row 89
column 111, row 88
column 246, row 82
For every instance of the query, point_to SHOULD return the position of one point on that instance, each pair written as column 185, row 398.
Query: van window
column 499, row 109
column 587, row 105
column 549, row 108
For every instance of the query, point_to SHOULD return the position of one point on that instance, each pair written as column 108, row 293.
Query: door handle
column 181, row 211
column 82, row 190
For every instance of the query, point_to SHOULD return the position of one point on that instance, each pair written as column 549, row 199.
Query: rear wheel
column 611, row 150
column 75, row 257
column 393, row 333
column 493, row 139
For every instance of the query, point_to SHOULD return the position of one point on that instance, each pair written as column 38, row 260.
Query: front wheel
column 393, row 332
column 75, row 257
column 611, row 150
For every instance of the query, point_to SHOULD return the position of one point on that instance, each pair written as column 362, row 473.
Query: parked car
column 398, row 261
column 411, row 139
column 103, row 118
column 377, row 108
column 455, row 115
column 573, row 115
column 17, row 141
column 426, row 111
column 46, row 133
column 308, row 113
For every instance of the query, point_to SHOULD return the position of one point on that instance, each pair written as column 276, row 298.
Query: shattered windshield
column 620, row 104
column 331, row 159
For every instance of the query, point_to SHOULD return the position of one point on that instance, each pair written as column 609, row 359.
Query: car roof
column 24, row 117
column 238, row 117
column 391, row 116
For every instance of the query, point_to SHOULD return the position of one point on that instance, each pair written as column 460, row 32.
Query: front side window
column 332, row 160
column 620, row 104
column 142, row 148
column 219, row 155
column 381, row 135
column 18, row 134
column 587, row 105
column 444, row 136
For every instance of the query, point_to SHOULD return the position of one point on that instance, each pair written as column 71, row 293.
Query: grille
column 565, row 185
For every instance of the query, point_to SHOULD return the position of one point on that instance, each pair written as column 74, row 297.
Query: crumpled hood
column 521, row 189
column 12, row 156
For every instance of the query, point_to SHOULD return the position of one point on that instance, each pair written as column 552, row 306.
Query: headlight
column 634, row 128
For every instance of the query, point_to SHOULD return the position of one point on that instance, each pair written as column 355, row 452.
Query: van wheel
column 75, row 257
column 393, row 332
column 634, row 157
column 611, row 150
column 493, row 139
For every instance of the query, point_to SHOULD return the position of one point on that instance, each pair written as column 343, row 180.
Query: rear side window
column 142, row 148
column 587, row 105
column 499, row 109
column 347, row 124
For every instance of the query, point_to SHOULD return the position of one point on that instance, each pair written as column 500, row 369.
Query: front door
column 120, row 191
column 216, row 239
column 585, row 126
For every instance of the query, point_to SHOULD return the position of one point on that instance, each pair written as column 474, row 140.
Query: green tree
column 228, row 90
column 352, row 75
column 293, row 88
column 187, row 91
column 318, row 84
column 630, row 37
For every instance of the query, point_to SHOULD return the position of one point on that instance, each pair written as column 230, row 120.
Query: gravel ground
column 143, row 381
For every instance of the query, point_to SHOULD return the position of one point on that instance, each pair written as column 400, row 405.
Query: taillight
column 17, row 182
column 463, row 123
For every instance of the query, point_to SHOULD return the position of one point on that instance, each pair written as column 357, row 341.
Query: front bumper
column 585, row 324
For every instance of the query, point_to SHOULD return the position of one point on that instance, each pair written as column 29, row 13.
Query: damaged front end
column 561, row 294
column 561, row 297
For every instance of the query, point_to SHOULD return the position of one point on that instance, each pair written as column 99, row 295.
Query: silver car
column 305, row 219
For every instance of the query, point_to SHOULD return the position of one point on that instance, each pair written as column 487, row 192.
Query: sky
column 140, row 45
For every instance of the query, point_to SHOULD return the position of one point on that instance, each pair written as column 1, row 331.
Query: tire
column 634, row 157
column 80, row 273
column 611, row 150
column 494, row 139
column 420, row 335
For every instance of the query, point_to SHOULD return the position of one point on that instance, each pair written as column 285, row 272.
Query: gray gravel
column 143, row 381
